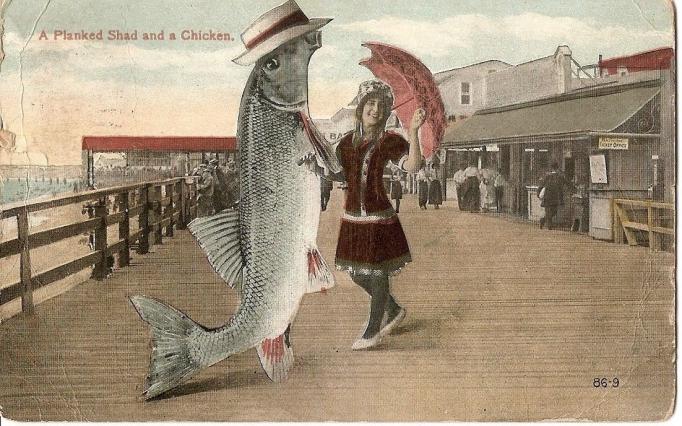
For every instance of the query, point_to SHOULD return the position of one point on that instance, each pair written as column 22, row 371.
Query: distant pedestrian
column 471, row 191
column 422, row 189
column 487, row 188
column 499, row 184
column 205, row 188
column 551, row 191
column 435, row 191
column 326, row 186
column 458, row 178
column 396, row 189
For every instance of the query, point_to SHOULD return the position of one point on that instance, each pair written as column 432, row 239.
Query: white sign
column 598, row 168
column 613, row 143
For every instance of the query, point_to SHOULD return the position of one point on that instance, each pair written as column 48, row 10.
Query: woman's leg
column 397, row 205
column 381, row 300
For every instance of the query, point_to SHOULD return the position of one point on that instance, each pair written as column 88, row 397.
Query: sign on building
column 598, row 169
column 613, row 143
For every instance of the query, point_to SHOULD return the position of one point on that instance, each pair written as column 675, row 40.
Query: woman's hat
column 274, row 28
column 375, row 88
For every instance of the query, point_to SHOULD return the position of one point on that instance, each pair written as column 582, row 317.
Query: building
column 463, row 89
column 612, row 141
column 651, row 60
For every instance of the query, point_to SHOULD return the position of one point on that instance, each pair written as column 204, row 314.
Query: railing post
column 101, row 267
column 654, row 238
column 25, row 263
column 617, row 225
column 182, row 224
column 143, row 242
column 158, row 235
column 169, row 209
column 124, row 229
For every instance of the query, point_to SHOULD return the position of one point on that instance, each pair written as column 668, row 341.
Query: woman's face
column 372, row 113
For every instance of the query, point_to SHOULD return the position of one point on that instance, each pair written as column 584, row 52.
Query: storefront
column 606, row 141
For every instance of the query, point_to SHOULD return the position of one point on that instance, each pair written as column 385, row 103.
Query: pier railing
column 158, row 206
column 629, row 216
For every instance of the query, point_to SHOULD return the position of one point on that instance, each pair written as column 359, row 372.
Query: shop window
column 465, row 93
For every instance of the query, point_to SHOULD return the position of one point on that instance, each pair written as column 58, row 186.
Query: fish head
column 283, row 73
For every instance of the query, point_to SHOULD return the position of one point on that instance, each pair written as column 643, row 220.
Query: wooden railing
column 625, row 226
column 157, row 205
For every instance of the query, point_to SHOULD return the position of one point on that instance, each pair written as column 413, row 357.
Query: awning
column 577, row 113
column 159, row 144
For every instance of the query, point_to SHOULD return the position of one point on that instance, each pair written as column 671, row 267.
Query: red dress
column 371, row 239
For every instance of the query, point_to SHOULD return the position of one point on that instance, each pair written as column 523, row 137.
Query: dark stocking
column 377, row 286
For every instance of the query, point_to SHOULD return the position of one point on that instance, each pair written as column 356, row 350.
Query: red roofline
column 656, row 59
column 159, row 143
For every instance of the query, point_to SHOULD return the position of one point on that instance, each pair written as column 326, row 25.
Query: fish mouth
column 286, row 106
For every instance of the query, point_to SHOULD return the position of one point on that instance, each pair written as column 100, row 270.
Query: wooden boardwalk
column 505, row 321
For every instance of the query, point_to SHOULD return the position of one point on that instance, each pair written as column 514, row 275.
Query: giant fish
column 266, row 247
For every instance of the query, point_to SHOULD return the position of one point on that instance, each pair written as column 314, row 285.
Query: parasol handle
column 398, row 106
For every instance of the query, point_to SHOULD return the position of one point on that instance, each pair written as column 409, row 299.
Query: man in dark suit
column 553, row 197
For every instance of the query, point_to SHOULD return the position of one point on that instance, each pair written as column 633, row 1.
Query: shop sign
column 613, row 143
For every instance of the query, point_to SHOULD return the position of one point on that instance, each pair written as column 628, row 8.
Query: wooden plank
column 636, row 225
column 158, row 235
column 25, row 263
column 143, row 221
column 100, row 271
column 9, row 248
column 49, row 236
column 65, row 269
column 631, row 237
column 661, row 230
column 64, row 200
column 650, row 226
column 115, row 248
column 645, row 203
column 134, row 211
column 124, row 230
column 10, row 293
column 116, row 218
column 169, row 209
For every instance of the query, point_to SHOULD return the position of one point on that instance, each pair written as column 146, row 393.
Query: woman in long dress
column 435, row 190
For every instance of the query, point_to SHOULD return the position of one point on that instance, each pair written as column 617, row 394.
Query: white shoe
column 363, row 343
column 389, row 327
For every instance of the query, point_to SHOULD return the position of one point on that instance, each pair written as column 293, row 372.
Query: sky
column 52, row 92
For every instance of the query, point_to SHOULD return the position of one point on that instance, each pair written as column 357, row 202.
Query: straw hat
column 274, row 28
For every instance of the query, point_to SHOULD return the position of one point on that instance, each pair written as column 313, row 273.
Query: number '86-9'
column 605, row 383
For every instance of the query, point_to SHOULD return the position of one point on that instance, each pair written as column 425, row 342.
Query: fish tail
column 171, row 358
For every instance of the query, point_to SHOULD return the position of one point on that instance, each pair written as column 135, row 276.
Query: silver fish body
column 267, row 246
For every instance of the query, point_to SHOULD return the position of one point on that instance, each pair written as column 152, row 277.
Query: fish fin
column 225, row 257
column 171, row 360
column 276, row 356
column 320, row 278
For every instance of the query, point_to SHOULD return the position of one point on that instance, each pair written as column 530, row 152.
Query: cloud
column 513, row 32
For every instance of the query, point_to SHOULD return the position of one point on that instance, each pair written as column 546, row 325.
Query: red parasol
column 413, row 87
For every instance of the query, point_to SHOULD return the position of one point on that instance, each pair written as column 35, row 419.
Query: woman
column 423, row 188
column 396, row 189
column 471, row 191
column 372, row 245
column 435, row 190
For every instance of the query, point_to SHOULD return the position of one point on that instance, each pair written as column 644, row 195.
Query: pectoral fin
column 218, row 236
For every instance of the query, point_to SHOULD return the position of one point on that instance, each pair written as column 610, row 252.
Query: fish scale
column 271, row 142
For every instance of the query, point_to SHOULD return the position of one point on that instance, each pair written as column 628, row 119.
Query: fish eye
column 272, row 64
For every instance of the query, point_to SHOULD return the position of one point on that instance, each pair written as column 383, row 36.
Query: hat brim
column 251, row 56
